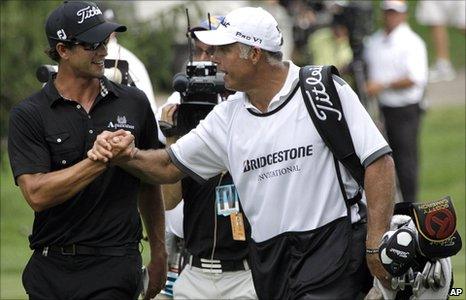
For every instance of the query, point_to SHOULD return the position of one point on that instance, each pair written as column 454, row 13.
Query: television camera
column 115, row 70
column 200, row 89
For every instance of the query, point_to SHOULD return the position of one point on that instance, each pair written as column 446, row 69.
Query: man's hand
column 373, row 88
column 167, row 113
column 377, row 270
column 123, row 149
column 167, row 123
column 116, row 146
column 157, row 268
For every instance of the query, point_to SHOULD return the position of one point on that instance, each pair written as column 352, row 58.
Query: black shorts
column 83, row 277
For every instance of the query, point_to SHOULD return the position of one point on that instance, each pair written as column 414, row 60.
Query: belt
column 217, row 265
column 71, row 250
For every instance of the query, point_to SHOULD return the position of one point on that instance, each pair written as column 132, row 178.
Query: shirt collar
column 105, row 88
column 397, row 31
column 290, row 82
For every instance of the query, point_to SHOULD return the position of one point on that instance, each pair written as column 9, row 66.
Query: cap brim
column 215, row 37
column 396, row 10
column 100, row 32
column 394, row 7
column 197, row 28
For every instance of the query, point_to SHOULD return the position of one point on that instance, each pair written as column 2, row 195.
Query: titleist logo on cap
column 88, row 12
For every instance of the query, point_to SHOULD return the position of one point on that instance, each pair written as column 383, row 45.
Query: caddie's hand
column 123, row 148
column 377, row 270
column 157, row 269
column 102, row 149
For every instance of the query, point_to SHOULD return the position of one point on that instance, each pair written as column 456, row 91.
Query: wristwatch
column 168, row 130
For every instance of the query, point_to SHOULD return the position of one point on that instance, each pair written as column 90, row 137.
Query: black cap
column 80, row 21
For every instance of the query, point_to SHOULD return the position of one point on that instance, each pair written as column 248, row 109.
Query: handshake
column 114, row 147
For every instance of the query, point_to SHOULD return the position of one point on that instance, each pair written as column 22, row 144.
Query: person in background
column 330, row 45
column 396, row 60
column 175, row 248
column 136, row 68
column 439, row 15
column 217, row 265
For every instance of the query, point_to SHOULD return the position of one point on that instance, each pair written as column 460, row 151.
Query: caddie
column 307, row 241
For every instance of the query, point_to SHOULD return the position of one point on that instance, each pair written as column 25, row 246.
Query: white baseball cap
column 252, row 26
column 396, row 5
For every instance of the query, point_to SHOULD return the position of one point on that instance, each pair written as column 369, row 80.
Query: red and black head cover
column 436, row 224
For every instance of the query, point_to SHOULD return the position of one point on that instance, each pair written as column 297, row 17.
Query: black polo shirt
column 49, row 133
column 199, row 218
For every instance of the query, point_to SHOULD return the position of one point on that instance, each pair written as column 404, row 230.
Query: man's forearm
column 172, row 195
column 153, row 215
column 400, row 84
column 153, row 166
column 46, row 190
column 380, row 190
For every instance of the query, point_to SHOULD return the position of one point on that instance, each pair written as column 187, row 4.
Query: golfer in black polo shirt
column 87, row 226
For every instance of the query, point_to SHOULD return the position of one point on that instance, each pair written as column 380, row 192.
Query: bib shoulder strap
column 324, row 107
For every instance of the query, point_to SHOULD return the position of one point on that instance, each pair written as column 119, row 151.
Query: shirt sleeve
column 27, row 148
column 368, row 141
column 202, row 153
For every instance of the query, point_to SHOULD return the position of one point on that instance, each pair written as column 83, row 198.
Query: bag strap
column 324, row 107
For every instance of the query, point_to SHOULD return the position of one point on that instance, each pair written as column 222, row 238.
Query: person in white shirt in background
column 137, row 70
column 396, row 58
column 174, row 245
column 439, row 15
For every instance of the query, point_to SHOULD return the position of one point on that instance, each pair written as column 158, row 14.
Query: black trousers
column 83, row 277
column 402, row 127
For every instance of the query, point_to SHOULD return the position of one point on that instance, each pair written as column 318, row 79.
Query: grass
column 442, row 172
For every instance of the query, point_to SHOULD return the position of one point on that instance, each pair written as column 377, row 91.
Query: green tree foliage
column 159, row 43
column 153, row 46
column 22, row 48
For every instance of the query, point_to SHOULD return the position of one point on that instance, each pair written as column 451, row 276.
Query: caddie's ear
column 256, row 54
